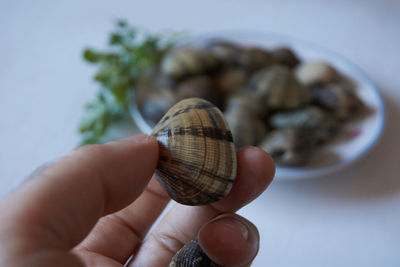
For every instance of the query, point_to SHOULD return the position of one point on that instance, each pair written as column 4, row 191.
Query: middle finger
column 181, row 224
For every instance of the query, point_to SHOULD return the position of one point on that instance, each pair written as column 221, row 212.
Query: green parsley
column 131, row 52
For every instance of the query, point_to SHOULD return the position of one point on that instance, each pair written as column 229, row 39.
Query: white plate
column 337, row 154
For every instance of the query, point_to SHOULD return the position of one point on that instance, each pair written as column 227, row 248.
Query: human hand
column 94, row 207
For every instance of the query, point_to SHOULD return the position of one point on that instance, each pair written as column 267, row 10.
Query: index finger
column 64, row 201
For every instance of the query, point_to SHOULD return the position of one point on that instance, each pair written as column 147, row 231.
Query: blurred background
column 348, row 218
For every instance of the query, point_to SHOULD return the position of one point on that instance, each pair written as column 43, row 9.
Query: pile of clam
column 270, row 98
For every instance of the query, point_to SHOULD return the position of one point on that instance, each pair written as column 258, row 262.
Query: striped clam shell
column 191, row 255
column 197, row 162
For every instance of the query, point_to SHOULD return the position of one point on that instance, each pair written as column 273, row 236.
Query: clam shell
column 277, row 88
column 197, row 162
column 247, row 129
column 156, row 103
column 285, row 56
column 227, row 52
column 185, row 61
column 230, row 80
column 337, row 99
column 199, row 86
column 318, row 123
column 315, row 73
column 255, row 58
column 154, row 95
column 309, row 117
column 288, row 146
column 151, row 81
column 191, row 255
column 246, row 100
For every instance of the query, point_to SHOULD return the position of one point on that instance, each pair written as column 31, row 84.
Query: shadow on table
column 377, row 175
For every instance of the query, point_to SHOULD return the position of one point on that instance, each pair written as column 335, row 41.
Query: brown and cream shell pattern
column 191, row 255
column 197, row 162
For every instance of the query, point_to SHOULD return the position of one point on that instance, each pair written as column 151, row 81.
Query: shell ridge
column 211, row 117
column 227, row 149
column 216, row 161
column 218, row 132
column 161, row 168
column 172, row 180
column 199, row 174
column 210, row 132
column 191, row 107
column 197, row 168
column 221, row 136
column 171, row 177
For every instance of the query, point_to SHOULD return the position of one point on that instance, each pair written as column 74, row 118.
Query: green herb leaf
column 118, row 71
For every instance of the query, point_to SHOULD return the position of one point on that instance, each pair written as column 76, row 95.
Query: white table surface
column 350, row 218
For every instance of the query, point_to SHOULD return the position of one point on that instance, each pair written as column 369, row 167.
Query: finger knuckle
column 168, row 242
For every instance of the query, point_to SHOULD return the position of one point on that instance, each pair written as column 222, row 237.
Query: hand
column 94, row 207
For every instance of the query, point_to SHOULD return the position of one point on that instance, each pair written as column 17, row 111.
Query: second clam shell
column 192, row 255
column 197, row 162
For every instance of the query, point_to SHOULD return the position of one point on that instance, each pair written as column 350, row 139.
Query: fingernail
column 236, row 225
column 230, row 240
